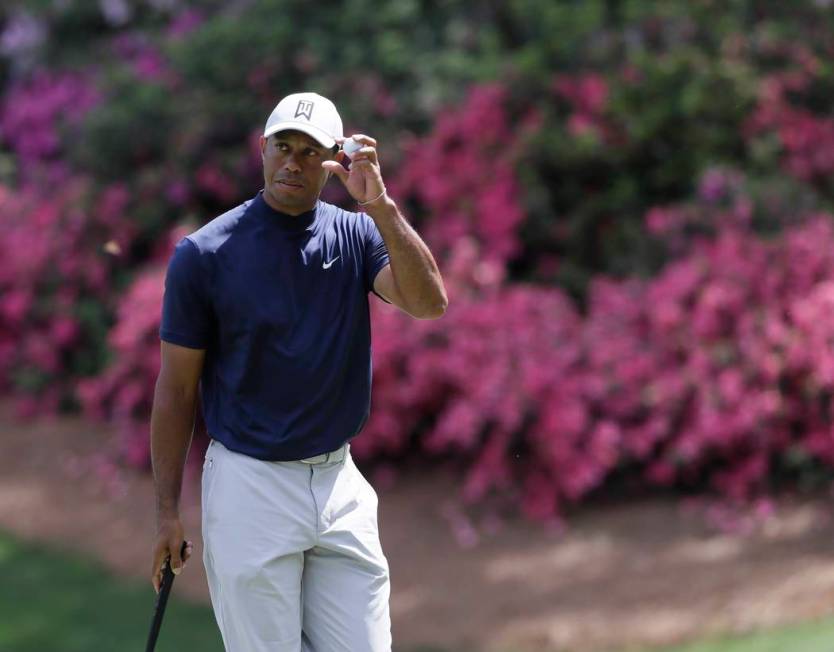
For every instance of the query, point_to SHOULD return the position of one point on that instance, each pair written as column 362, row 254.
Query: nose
column 290, row 163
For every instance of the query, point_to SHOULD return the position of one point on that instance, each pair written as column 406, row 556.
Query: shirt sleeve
column 187, row 317
column 376, row 254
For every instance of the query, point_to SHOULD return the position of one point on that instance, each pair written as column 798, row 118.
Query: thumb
column 176, row 557
column 336, row 168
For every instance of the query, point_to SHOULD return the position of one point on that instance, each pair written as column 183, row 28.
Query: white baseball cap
column 309, row 113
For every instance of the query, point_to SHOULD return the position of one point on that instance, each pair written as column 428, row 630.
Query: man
column 267, row 307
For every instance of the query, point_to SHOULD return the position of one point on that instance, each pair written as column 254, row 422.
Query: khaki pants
column 292, row 555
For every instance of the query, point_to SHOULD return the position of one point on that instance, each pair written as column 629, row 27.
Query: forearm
column 172, row 425
column 413, row 267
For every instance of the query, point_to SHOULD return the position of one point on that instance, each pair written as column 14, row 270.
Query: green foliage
column 686, row 114
column 131, row 131
column 679, row 90
column 615, row 111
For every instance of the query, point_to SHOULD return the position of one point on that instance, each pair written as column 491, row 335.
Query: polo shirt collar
column 283, row 220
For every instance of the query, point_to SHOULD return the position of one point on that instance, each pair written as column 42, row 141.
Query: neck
column 295, row 210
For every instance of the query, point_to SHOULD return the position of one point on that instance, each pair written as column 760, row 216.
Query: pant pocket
column 211, row 467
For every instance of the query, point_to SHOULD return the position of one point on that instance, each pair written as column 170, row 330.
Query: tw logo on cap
column 304, row 109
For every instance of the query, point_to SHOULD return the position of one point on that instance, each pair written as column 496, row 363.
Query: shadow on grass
column 59, row 602
column 809, row 637
column 55, row 601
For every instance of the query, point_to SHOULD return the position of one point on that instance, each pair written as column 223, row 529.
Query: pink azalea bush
column 475, row 189
column 805, row 135
column 715, row 371
column 671, row 205
column 587, row 95
column 35, row 110
column 712, row 373
column 55, row 268
column 123, row 393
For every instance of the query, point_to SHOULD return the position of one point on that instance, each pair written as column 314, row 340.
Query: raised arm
column 172, row 426
column 411, row 281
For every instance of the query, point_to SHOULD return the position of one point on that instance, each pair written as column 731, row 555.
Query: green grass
column 51, row 601
column 809, row 637
column 54, row 602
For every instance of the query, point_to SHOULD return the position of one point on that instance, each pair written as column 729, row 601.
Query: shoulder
column 210, row 237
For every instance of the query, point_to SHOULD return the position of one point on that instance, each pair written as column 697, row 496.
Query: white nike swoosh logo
column 326, row 265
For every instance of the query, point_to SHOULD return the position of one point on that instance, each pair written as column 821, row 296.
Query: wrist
column 167, row 512
column 374, row 200
column 381, row 207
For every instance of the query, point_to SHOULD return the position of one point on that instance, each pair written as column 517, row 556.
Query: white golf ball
column 351, row 146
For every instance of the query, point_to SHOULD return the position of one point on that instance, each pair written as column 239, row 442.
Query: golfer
column 266, row 310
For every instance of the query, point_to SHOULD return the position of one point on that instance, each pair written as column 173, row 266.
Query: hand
column 363, row 178
column 169, row 538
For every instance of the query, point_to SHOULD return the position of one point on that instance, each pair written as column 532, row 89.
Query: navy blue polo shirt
column 280, row 304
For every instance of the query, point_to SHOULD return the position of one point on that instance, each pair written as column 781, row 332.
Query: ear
column 338, row 156
column 263, row 142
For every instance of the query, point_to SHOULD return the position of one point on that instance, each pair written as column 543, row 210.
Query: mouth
column 289, row 184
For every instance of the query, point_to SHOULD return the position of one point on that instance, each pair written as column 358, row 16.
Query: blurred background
column 620, row 436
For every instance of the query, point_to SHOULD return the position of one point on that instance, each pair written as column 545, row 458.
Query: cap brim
column 321, row 136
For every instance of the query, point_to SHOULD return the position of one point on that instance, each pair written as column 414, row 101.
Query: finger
column 175, row 546
column 336, row 168
column 368, row 171
column 156, row 581
column 156, row 570
column 189, row 547
column 363, row 164
column 365, row 153
column 366, row 140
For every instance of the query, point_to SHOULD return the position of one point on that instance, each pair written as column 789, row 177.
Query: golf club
column 162, row 599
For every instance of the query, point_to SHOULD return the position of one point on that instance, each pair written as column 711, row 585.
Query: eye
column 282, row 146
column 311, row 152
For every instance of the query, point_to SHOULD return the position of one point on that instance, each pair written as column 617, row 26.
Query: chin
column 279, row 194
column 291, row 201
